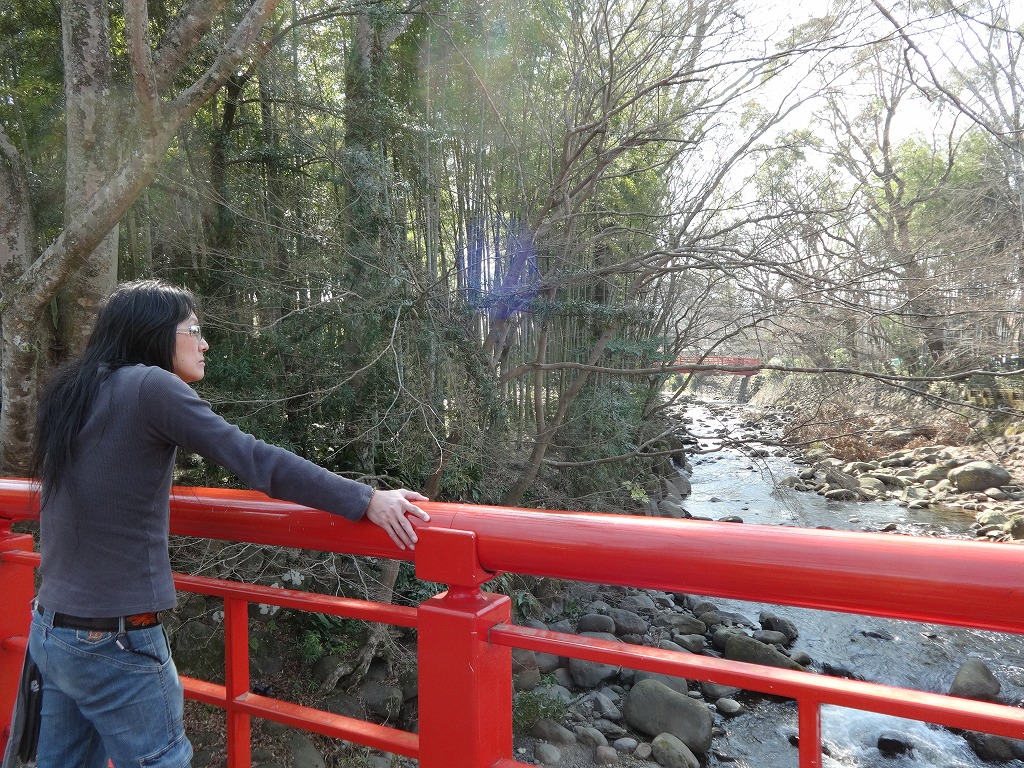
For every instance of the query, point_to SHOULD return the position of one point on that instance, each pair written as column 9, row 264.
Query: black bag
column 31, row 695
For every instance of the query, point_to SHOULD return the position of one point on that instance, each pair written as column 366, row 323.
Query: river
column 905, row 654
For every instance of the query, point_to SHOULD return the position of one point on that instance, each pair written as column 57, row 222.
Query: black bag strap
column 31, row 695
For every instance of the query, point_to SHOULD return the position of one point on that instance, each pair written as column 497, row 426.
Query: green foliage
column 321, row 634
column 529, row 708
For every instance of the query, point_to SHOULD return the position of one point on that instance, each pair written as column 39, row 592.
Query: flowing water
column 905, row 654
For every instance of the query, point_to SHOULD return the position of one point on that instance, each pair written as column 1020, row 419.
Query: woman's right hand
column 391, row 510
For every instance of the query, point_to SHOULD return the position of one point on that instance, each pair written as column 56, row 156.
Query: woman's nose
column 204, row 345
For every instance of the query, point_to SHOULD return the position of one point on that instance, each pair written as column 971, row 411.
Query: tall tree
column 112, row 157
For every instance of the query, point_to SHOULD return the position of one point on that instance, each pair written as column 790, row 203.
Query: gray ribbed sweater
column 103, row 535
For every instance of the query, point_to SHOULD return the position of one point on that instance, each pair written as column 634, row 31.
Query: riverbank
column 863, row 441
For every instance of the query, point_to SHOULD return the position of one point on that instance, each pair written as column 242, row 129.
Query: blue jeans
column 101, row 702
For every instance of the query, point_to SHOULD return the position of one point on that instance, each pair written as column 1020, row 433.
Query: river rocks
column 841, row 494
column 871, row 485
column 716, row 691
column 606, row 755
column 923, row 477
column 653, row 708
column 597, row 622
column 893, row 745
column 525, row 670
column 769, row 621
column 681, row 623
column 589, row 736
column 385, row 701
column 627, row 622
column 995, row 749
column 975, row 681
column 669, row 508
column 547, row 754
column 671, row 752
column 625, row 715
column 931, row 472
column 590, row 674
column 304, row 753
column 677, row 684
column 552, row 732
column 729, row 707
column 743, row 648
column 978, row 475
column 691, row 643
column 768, row 637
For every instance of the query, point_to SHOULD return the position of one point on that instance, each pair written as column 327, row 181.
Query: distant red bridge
column 738, row 365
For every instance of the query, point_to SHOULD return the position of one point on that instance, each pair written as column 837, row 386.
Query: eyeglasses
column 195, row 331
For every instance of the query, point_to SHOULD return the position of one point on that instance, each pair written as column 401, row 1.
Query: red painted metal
column 16, row 590
column 236, row 681
column 455, row 655
column 465, row 639
column 737, row 366
column 806, row 687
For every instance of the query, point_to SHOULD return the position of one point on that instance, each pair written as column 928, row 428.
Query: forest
column 460, row 246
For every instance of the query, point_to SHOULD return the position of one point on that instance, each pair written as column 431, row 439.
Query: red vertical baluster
column 236, row 680
column 465, row 684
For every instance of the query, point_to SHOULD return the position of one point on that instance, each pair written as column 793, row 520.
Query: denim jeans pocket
column 93, row 637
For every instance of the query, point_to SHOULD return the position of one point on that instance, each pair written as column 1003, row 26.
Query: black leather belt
column 113, row 624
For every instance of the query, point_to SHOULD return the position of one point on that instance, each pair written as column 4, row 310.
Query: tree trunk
column 17, row 351
column 90, row 115
column 109, row 166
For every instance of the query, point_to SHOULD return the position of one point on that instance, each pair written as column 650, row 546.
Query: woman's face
column 189, row 362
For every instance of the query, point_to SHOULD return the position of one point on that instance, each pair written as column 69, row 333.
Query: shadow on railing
column 465, row 636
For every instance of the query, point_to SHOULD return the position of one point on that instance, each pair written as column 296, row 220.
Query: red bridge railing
column 465, row 636
column 737, row 366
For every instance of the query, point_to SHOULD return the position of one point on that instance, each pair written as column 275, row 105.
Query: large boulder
column 590, row 674
column 627, row 622
column 871, row 484
column 669, row 508
column 931, row 472
column 681, row 623
column 654, row 708
column 385, row 701
column 678, row 684
column 743, row 648
column 975, row 681
column 978, row 476
column 596, row 622
column 995, row 749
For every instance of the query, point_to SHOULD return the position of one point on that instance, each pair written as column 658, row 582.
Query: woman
column 108, row 428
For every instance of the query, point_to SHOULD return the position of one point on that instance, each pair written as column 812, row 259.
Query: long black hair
column 136, row 324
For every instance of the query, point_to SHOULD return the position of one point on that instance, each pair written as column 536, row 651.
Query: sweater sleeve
column 176, row 414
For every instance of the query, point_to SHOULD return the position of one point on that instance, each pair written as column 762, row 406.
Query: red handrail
column 465, row 637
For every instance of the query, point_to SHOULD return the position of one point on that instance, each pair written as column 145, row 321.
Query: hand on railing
column 389, row 510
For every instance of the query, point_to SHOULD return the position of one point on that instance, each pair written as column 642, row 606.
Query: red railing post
column 809, row 723
column 236, row 681
column 465, row 683
column 18, row 580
